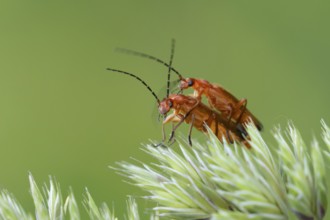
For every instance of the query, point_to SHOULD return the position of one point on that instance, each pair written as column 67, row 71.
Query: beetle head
column 186, row 83
column 165, row 106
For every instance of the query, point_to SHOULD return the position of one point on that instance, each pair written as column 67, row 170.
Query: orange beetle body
column 197, row 114
column 222, row 101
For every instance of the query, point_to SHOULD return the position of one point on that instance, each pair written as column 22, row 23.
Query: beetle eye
column 190, row 82
column 170, row 104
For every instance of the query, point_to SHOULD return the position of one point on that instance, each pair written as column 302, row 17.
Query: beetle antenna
column 144, row 55
column 139, row 79
column 169, row 68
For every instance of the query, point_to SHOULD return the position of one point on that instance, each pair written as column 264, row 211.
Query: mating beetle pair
column 226, row 116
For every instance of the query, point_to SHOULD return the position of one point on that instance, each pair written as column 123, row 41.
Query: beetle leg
column 241, row 105
column 198, row 95
column 173, row 139
column 216, row 124
column 182, row 118
column 242, row 132
column 176, row 119
column 186, row 115
column 163, row 131
column 230, row 140
column 170, row 118
column 228, row 110
column 190, row 130
column 161, row 144
column 163, row 140
column 212, row 123
column 229, row 137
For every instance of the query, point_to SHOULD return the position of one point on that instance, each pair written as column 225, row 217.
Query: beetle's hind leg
column 190, row 129
column 241, row 105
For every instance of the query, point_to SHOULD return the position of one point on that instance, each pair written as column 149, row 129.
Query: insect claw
column 161, row 144
column 190, row 142
column 230, row 140
column 241, row 130
column 171, row 136
column 173, row 141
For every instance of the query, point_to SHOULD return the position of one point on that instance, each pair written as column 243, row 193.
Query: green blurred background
column 63, row 114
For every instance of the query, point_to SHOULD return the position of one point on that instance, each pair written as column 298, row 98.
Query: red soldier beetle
column 218, row 98
column 188, row 109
